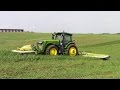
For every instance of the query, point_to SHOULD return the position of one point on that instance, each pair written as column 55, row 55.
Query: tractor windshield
column 59, row 37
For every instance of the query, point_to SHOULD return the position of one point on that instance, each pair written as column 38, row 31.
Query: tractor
column 60, row 44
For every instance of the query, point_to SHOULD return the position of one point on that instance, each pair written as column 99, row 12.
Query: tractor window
column 59, row 37
column 68, row 38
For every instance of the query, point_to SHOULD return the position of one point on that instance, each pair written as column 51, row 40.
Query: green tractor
column 60, row 44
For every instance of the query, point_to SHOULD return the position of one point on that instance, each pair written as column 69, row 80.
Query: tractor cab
column 64, row 37
column 66, row 44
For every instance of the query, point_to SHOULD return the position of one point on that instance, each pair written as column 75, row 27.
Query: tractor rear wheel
column 72, row 50
column 51, row 50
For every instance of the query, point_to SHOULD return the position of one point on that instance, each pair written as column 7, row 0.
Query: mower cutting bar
column 94, row 55
column 23, row 52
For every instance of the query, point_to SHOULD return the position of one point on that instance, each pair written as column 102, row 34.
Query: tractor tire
column 51, row 50
column 72, row 50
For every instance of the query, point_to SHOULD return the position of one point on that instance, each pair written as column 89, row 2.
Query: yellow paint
column 25, row 48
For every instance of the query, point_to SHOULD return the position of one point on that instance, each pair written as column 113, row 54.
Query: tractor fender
column 69, row 44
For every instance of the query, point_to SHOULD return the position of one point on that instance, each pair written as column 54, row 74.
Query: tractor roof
column 59, row 33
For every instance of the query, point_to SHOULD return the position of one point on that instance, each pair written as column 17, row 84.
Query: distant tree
column 105, row 33
column 117, row 33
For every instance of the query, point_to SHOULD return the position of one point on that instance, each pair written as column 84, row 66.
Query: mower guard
column 94, row 55
column 23, row 52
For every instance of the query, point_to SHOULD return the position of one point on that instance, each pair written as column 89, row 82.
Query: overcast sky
column 69, row 21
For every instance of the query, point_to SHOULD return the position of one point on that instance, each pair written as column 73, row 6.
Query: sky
column 57, row 21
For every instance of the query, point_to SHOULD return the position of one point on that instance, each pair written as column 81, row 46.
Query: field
column 16, row 66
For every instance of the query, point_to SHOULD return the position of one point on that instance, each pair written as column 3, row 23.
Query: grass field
column 17, row 66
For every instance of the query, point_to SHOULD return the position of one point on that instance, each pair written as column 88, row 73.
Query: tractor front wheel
column 72, row 50
column 51, row 50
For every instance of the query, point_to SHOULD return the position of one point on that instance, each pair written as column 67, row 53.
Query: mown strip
column 103, row 44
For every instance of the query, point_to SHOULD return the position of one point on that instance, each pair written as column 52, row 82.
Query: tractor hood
column 56, row 42
column 51, row 40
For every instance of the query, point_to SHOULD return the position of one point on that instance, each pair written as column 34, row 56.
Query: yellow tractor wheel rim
column 53, row 51
column 72, row 51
